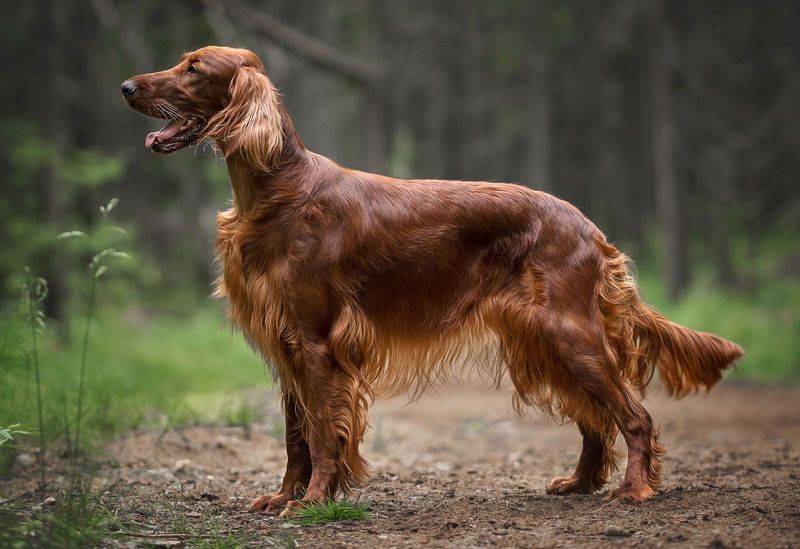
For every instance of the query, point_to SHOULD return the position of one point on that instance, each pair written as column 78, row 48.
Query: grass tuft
column 329, row 511
column 75, row 519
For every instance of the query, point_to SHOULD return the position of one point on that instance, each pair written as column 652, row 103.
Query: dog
column 354, row 286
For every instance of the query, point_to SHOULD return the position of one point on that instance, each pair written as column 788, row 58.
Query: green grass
column 79, row 518
column 76, row 519
column 142, row 371
column 329, row 511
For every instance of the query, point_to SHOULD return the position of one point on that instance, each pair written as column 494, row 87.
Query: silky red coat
column 354, row 285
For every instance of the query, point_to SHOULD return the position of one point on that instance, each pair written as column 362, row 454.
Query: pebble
column 181, row 465
column 616, row 532
column 49, row 501
column 156, row 476
column 717, row 543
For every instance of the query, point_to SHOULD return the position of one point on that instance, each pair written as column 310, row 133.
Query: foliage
column 75, row 519
column 329, row 511
column 7, row 433
column 152, row 370
column 35, row 292
column 97, row 267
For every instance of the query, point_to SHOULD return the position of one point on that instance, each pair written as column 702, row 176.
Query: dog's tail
column 644, row 340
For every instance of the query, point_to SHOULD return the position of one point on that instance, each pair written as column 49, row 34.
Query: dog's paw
column 629, row 493
column 569, row 485
column 267, row 504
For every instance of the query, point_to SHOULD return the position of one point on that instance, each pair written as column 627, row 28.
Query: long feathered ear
column 251, row 122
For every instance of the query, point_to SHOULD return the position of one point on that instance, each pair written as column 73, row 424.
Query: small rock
column 616, row 532
column 182, row 465
column 157, row 476
column 443, row 466
column 717, row 543
column 49, row 501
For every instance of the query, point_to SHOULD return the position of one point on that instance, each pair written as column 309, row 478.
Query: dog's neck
column 247, row 184
column 244, row 185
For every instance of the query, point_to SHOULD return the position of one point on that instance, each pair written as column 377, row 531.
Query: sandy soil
column 460, row 470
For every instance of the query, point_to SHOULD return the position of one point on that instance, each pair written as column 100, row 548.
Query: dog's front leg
column 323, row 408
column 298, row 462
column 335, row 404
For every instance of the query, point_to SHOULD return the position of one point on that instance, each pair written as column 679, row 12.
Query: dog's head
column 215, row 92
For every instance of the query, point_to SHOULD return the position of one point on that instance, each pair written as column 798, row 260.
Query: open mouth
column 175, row 135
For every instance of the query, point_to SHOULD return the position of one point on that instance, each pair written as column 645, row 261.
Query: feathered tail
column 644, row 340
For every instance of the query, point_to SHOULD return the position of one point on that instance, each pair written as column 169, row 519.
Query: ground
column 459, row 469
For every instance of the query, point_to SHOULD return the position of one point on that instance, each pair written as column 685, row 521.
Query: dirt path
column 461, row 470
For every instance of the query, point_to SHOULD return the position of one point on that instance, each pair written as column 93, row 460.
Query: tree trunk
column 539, row 167
column 668, row 195
column 57, row 131
column 718, row 170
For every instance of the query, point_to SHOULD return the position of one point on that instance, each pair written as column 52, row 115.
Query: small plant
column 34, row 293
column 97, row 267
column 329, row 511
column 75, row 519
column 7, row 433
column 8, row 452
column 240, row 416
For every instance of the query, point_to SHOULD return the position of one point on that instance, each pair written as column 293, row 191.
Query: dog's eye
column 192, row 70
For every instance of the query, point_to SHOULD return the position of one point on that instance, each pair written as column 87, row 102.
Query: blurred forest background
column 674, row 125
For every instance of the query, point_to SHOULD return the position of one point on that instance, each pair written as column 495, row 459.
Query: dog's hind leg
column 595, row 464
column 298, row 461
column 559, row 360
column 594, row 368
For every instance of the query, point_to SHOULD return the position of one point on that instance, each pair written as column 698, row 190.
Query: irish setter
column 354, row 285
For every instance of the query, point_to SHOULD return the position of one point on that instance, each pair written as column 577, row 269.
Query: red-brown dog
column 355, row 285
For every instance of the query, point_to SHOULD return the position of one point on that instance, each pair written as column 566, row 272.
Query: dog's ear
column 251, row 122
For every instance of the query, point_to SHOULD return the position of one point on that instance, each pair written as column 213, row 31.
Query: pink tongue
column 168, row 131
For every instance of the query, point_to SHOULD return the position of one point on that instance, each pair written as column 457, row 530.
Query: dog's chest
column 247, row 279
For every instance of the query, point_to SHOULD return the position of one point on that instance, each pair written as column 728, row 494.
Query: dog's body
column 354, row 285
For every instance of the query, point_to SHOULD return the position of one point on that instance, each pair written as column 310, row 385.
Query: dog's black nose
column 128, row 88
